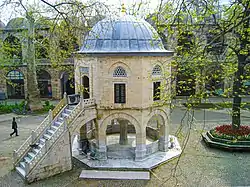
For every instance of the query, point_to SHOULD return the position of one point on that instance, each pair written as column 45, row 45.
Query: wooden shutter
column 120, row 93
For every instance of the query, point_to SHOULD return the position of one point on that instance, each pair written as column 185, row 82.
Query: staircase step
column 65, row 115
column 54, row 128
column 46, row 136
column 27, row 159
column 31, row 155
column 22, row 164
column 42, row 140
column 21, row 171
column 60, row 119
column 50, row 132
column 71, row 107
column 40, row 146
column 57, row 123
column 35, row 150
column 68, row 111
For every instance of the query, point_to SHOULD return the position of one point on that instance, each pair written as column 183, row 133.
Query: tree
column 209, row 37
column 62, row 23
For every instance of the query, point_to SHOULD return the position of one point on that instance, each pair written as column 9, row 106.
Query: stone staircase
column 41, row 141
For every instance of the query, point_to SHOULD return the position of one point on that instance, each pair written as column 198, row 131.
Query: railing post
column 50, row 116
column 81, row 101
column 27, row 167
column 47, row 144
column 65, row 98
column 65, row 123
column 82, row 104
column 15, row 155
column 33, row 136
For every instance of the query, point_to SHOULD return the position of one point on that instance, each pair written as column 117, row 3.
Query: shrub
column 8, row 108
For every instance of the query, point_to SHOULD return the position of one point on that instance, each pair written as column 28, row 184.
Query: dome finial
column 123, row 10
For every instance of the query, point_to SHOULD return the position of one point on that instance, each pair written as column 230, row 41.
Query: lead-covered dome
column 122, row 34
column 1, row 25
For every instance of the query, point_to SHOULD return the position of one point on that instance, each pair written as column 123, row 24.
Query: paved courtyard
column 198, row 165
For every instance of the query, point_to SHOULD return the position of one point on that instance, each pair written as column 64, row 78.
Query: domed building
column 122, row 74
column 124, row 67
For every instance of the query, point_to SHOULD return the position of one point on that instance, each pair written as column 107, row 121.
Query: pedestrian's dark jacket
column 14, row 125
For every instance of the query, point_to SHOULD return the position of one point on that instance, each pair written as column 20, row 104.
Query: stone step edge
column 104, row 174
column 210, row 142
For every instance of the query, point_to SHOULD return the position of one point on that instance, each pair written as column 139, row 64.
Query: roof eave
column 127, row 53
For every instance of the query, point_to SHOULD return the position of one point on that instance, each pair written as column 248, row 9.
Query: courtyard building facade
column 52, row 82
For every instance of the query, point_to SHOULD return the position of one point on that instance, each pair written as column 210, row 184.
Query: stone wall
column 56, row 160
column 139, row 82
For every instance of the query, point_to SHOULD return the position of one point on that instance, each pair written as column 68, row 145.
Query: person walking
column 14, row 127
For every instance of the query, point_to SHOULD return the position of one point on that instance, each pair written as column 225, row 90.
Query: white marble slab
column 99, row 174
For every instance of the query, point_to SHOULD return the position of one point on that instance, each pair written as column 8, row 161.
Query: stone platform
column 148, row 163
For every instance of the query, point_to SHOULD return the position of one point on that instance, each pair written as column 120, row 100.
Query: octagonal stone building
column 125, row 68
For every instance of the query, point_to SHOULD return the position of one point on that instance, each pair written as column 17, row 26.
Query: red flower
column 228, row 130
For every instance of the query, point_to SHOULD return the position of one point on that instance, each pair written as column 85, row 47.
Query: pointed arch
column 119, row 72
column 157, row 70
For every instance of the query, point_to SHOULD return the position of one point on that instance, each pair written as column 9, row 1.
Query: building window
column 15, row 75
column 119, row 72
column 156, row 91
column 120, row 93
column 156, row 70
column 84, row 70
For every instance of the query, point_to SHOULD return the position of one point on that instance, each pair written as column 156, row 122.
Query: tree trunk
column 34, row 101
column 237, row 89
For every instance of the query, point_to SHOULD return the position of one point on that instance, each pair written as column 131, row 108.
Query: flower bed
column 227, row 132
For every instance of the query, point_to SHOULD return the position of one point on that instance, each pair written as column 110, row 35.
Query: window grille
column 156, row 70
column 120, row 93
column 119, row 72
column 17, row 75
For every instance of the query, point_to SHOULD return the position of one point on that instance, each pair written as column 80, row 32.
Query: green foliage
column 47, row 106
column 17, row 108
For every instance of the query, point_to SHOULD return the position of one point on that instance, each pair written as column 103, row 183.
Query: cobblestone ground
column 198, row 165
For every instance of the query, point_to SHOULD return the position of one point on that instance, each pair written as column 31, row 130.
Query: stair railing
column 48, row 143
column 25, row 147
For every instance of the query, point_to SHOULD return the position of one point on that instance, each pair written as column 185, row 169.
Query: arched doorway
column 121, row 139
column 135, row 146
column 158, row 129
column 15, row 85
column 44, row 84
column 85, row 87
column 67, row 84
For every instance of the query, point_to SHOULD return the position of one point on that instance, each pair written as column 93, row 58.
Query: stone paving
column 198, row 165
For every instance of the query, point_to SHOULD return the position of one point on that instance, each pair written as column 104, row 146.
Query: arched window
column 119, row 72
column 156, row 70
column 15, row 75
column 44, row 83
column 15, row 84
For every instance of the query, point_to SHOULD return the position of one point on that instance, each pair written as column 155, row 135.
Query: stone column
column 164, row 133
column 102, row 147
column 123, row 132
column 140, row 151
column 83, row 132
column 101, row 152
